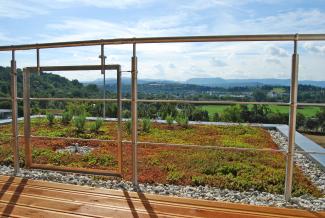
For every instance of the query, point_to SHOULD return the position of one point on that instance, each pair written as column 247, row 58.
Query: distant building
column 5, row 113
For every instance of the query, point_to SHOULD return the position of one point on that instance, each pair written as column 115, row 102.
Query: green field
column 308, row 111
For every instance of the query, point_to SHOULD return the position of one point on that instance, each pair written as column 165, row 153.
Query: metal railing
column 134, row 71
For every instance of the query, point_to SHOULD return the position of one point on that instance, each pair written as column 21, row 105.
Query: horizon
column 65, row 20
column 181, row 81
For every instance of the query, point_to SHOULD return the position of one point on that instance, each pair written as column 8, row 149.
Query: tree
column 321, row 119
column 259, row 113
column 245, row 113
column 232, row 114
column 259, row 94
column 199, row 115
column 216, row 117
column 277, row 118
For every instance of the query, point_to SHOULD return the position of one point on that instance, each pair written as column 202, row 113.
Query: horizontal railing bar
column 207, row 102
column 77, row 99
column 75, row 170
column 73, row 68
column 71, row 138
column 312, row 104
column 229, row 148
column 211, row 147
column 176, row 101
column 5, row 98
column 164, row 144
column 215, row 38
column 175, row 145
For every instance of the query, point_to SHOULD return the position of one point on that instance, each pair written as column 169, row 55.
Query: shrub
column 96, row 125
column 50, row 118
column 199, row 115
column 312, row 124
column 129, row 126
column 79, row 123
column 146, row 125
column 126, row 114
column 169, row 120
column 232, row 114
column 216, row 117
column 77, row 109
column 182, row 121
column 301, row 120
column 66, row 118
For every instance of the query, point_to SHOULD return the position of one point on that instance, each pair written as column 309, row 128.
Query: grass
column 308, row 111
column 264, row 171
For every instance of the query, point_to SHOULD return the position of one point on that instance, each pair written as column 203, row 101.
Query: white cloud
column 115, row 4
column 218, row 63
column 31, row 8
column 176, row 61
column 19, row 9
column 315, row 48
column 273, row 60
column 276, row 51
column 300, row 21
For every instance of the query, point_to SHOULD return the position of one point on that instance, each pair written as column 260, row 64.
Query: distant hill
column 217, row 81
column 127, row 81
column 47, row 85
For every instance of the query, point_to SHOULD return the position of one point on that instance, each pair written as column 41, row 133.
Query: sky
column 39, row 21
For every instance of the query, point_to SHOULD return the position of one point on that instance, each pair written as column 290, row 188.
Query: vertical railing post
column 26, row 88
column 134, row 113
column 14, row 113
column 292, row 121
column 38, row 62
column 102, row 62
column 119, row 119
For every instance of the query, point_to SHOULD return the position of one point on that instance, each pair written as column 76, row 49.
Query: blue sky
column 37, row 21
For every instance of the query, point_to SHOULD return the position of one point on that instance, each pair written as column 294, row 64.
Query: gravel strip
column 310, row 169
column 199, row 192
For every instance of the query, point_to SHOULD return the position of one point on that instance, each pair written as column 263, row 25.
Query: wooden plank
column 96, row 202
column 77, row 208
column 211, row 203
column 11, row 210
column 99, row 201
column 214, row 204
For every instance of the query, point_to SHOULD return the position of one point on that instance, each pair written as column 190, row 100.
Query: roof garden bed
column 195, row 166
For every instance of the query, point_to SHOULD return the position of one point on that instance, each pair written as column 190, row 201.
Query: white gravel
column 200, row 192
column 310, row 169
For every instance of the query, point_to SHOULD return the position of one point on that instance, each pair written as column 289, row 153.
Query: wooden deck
column 31, row 198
